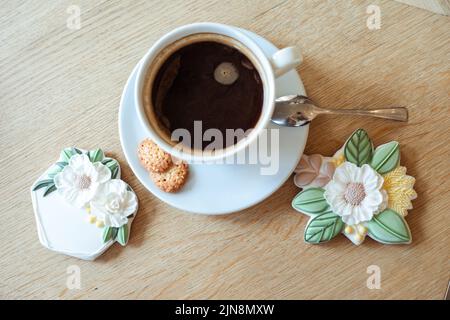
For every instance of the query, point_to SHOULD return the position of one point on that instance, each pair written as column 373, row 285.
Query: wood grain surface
column 61, row 87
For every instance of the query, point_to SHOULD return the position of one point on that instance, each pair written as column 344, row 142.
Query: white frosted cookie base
column 64, row 229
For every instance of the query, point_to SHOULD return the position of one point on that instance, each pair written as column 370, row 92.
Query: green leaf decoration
column 115, row 172
column 66, row 154
column 52, row 175
column 112, row 165
column 96, row 155
column 323, row 228
column 310, row 201
column 358, row 148
column 122, row 235
column 389, row 227
column 42, row 184
column 49, row 190
column 114, row 232
column 107, row 234
column 105, row 161
column 386, row 157
column 61, row 164
column 56, row 168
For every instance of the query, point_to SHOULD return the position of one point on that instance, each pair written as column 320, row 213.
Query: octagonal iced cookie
column 82, row 206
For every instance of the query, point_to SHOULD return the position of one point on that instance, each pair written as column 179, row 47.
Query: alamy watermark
column 374, row 280
column 73, row 281
column 73, row 22
column 264, row 150
column 373, row 22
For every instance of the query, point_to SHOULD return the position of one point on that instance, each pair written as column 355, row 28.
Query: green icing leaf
column 61, row 164
column 49, row 190
column 358, row 148
column 114, row 232
column 310, row 201
column 115, row 172
column 323, row 227
column 52, row 174
column 122, row 235
column 96, row 155
column 389, row 227
column 56, row 168
column 112, row 165
column 105, row 161
column 66, row 154
column 42, row 184
column 107, row 234
column 386, row 157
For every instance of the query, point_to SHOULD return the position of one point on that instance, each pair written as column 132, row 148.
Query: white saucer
column 218, row 188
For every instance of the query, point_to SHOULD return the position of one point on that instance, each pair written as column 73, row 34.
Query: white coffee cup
column 268, row 67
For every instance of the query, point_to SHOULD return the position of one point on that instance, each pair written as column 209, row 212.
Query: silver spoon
column 297, row 110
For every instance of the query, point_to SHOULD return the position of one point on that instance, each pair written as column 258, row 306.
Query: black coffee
column 185, row 90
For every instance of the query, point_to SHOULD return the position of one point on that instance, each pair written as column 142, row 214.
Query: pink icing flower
column 313, row 171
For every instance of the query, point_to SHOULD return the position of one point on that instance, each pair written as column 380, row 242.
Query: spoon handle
column 396, row 113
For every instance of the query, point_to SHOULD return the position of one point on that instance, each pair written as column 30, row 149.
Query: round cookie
column 172, row 179
column 152, row 157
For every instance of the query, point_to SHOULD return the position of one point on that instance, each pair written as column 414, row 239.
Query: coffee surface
column 185, row 90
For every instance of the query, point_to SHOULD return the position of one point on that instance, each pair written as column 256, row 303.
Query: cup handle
column 285, row 60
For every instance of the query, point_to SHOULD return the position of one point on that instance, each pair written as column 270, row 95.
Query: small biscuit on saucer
column 172, row 179
column 152, row 157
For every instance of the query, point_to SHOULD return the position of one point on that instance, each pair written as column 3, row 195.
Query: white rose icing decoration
column 78, row 182
column 114, row 203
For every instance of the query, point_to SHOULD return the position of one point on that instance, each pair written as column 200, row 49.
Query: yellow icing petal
column 362, row 230
column 359, row 238
column 339, row 160
column 399, row 188
column 91, row 218
column 348, row 229
column 100, row 224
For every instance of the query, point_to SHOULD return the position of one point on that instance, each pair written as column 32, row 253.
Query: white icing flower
column 356, row 193
column 78, row 182
column 114, row 203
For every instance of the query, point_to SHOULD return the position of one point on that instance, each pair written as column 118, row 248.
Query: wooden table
column 61, row 87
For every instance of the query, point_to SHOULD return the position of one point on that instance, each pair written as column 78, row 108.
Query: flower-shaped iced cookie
column 368, row 194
